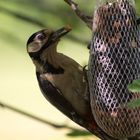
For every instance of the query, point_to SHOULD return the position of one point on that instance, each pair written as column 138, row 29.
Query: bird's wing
column 54, row 96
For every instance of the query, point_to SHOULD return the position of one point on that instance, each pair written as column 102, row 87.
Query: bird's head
column 44, row 39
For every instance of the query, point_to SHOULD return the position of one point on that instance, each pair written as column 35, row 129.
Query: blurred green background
column 18, row 84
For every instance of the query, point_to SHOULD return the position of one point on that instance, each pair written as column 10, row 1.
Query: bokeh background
column 18, row 84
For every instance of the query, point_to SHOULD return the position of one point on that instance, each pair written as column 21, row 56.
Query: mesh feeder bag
column 113, row 64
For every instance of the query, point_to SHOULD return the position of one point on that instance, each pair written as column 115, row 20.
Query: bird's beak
column 60, row 32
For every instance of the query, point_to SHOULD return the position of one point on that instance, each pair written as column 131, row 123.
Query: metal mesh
column 114, row 63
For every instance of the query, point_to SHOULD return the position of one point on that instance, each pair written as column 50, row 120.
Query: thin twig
column 56, row 126
column 87, row 19
column 6, row 106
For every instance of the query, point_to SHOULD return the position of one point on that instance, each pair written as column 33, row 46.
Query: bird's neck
column 50, row 56
column 50, row 61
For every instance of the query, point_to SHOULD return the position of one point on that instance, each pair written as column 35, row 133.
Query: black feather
column 54, row 96
column 31, row 39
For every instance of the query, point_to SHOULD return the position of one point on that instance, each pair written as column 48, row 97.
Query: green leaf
column 78, row 133
column 134, row 103
column 134, row 86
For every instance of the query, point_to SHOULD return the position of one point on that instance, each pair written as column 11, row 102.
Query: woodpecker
column 62, row 80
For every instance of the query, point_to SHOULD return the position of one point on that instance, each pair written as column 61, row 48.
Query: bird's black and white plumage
column 61, row 79
column 62, row 72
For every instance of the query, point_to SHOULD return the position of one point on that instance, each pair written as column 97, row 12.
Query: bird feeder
column 113, row 64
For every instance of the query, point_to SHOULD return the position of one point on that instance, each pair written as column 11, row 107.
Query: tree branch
column 87, row 19
column 56, row 126
column 3, row 105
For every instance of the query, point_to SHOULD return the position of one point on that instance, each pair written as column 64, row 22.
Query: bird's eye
column 41, row 36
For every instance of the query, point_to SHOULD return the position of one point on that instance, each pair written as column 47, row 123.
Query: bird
column 62, row 80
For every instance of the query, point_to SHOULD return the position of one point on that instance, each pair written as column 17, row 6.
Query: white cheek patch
column 35, row 46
